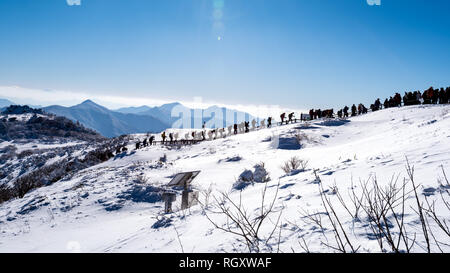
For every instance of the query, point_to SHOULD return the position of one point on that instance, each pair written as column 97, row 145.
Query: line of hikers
column 196, row 136
column 429, row 96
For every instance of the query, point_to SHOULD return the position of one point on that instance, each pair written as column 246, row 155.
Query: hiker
column 269, row 122
column 144, row 143
column 151, row 139
column 442, row 97
column 263, row 123
column 386, row 104
column 418, row 98
column 246, row 125
column 435, row 96
column 353, row 110
column 377, row 104
column 171, row 137
column 282, row 116
column 291, row 116
column 230, row 130
column 253, row 125
column 235, row 129
column 346, row 111
column 339, row 113
column 138, row 145
column 447, row 92
column 406, row 98
column 241, row 127
column 163, row 136
column 328, row 113
column 364, row 109
column 311, row 114
column 397, row 100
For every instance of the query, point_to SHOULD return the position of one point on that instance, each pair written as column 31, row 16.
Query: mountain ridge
column 107, row 122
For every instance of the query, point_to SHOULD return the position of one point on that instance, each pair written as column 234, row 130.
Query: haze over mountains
column 144, row 119
column 5, row 103
column 106, row 122
column 198, row 116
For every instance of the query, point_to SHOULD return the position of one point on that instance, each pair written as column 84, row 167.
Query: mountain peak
column 88, row 102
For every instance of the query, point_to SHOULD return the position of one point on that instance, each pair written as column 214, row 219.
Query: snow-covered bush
column 163, row 159
column 260, row 175
column 247, row 177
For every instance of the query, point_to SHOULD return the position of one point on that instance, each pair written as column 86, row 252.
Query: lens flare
column 217, row 15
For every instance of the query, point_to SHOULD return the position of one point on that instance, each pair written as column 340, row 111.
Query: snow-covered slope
column 114, row 206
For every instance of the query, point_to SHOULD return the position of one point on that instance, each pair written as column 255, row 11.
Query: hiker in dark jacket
column 346, row 111
column 269, row 122
column 353, row 110
column 151, row 139
column 291, row 116
column 282, row 116
column 163, row 136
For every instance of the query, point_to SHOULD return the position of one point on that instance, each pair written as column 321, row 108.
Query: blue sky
column 294, row 53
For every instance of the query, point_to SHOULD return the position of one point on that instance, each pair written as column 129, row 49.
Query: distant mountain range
column 170, row 113
column 5, row 103
column 106, row 122
column 144, row 119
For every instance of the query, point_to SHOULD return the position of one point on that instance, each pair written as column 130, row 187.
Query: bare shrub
column 294, row 163
column 141, row 179
column 383, row 210
column 260, row 175
column 245, row 226
column 431, row 212
column 302, row 137
column 342, row 239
